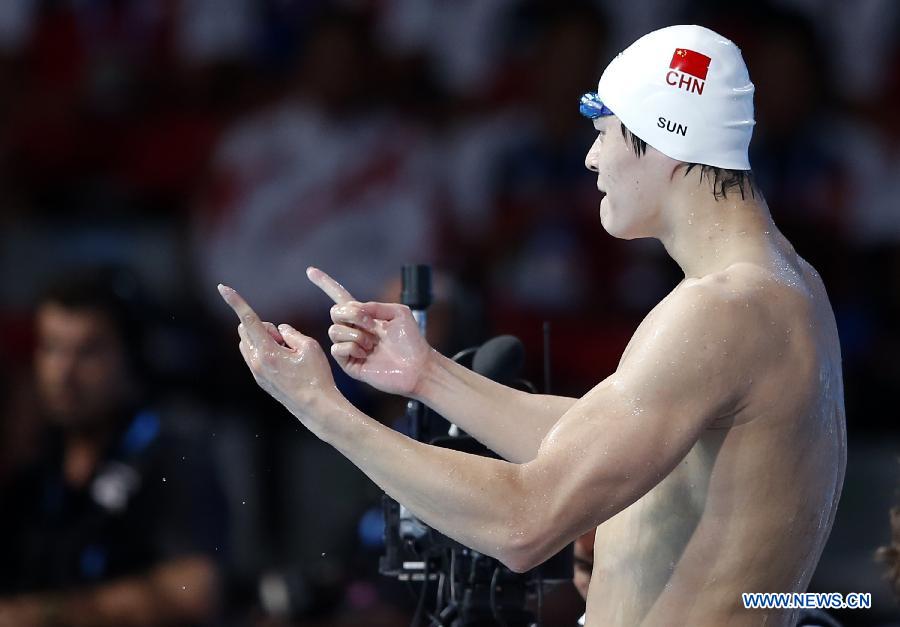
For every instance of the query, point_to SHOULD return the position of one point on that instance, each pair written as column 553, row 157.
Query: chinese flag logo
column 690, row 62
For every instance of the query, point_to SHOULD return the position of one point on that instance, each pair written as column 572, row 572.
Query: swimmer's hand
column 376, row 343
column 291, row 367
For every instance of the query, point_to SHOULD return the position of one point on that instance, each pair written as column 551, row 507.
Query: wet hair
column 722, row 180
column 890, row 554
column 110, row 291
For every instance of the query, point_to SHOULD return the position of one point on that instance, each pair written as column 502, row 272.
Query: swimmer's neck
column 704, row 235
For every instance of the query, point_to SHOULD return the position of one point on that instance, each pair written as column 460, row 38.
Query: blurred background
column 183, row 143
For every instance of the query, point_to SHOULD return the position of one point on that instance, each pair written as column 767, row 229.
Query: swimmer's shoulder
column 755, row 285
column 744, row 301
column 738, row 287
column 744, row 308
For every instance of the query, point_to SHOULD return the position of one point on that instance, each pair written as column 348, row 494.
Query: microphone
column 416, row 291
column 500, row 359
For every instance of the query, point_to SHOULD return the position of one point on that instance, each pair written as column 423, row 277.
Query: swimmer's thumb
column 293, row 338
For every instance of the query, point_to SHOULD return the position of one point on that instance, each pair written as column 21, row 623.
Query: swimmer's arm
column 477, row 501
column 609, row 449
column 510, row 422
column 493, row 506
column 634, row 428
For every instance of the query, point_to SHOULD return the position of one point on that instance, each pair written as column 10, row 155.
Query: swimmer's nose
column 590, row 159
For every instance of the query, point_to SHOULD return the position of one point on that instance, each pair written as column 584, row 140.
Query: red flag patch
column 690, row 62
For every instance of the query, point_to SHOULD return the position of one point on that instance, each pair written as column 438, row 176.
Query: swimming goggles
column 592, row 107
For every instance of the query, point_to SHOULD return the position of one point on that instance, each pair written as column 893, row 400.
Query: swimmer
column 710, row 462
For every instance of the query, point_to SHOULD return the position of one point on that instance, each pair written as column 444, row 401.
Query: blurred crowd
column 183, row 143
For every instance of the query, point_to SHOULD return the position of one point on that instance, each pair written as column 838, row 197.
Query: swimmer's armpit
column 582, row 564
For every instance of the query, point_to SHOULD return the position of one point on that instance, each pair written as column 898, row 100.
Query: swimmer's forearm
column 478, row 501
column 510, row 422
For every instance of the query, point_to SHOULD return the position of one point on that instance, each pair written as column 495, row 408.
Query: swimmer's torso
column 751, row 505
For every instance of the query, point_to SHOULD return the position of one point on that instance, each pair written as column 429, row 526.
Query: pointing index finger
column 252, row 324
column 332, row 288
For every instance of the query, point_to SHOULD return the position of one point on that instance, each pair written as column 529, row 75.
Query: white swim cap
column 685, row 91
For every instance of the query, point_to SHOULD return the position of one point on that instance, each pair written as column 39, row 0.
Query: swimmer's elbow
column 540, row 526
column 517, row 567
column 526, row 550
column 523, row 559
column 519, row 557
